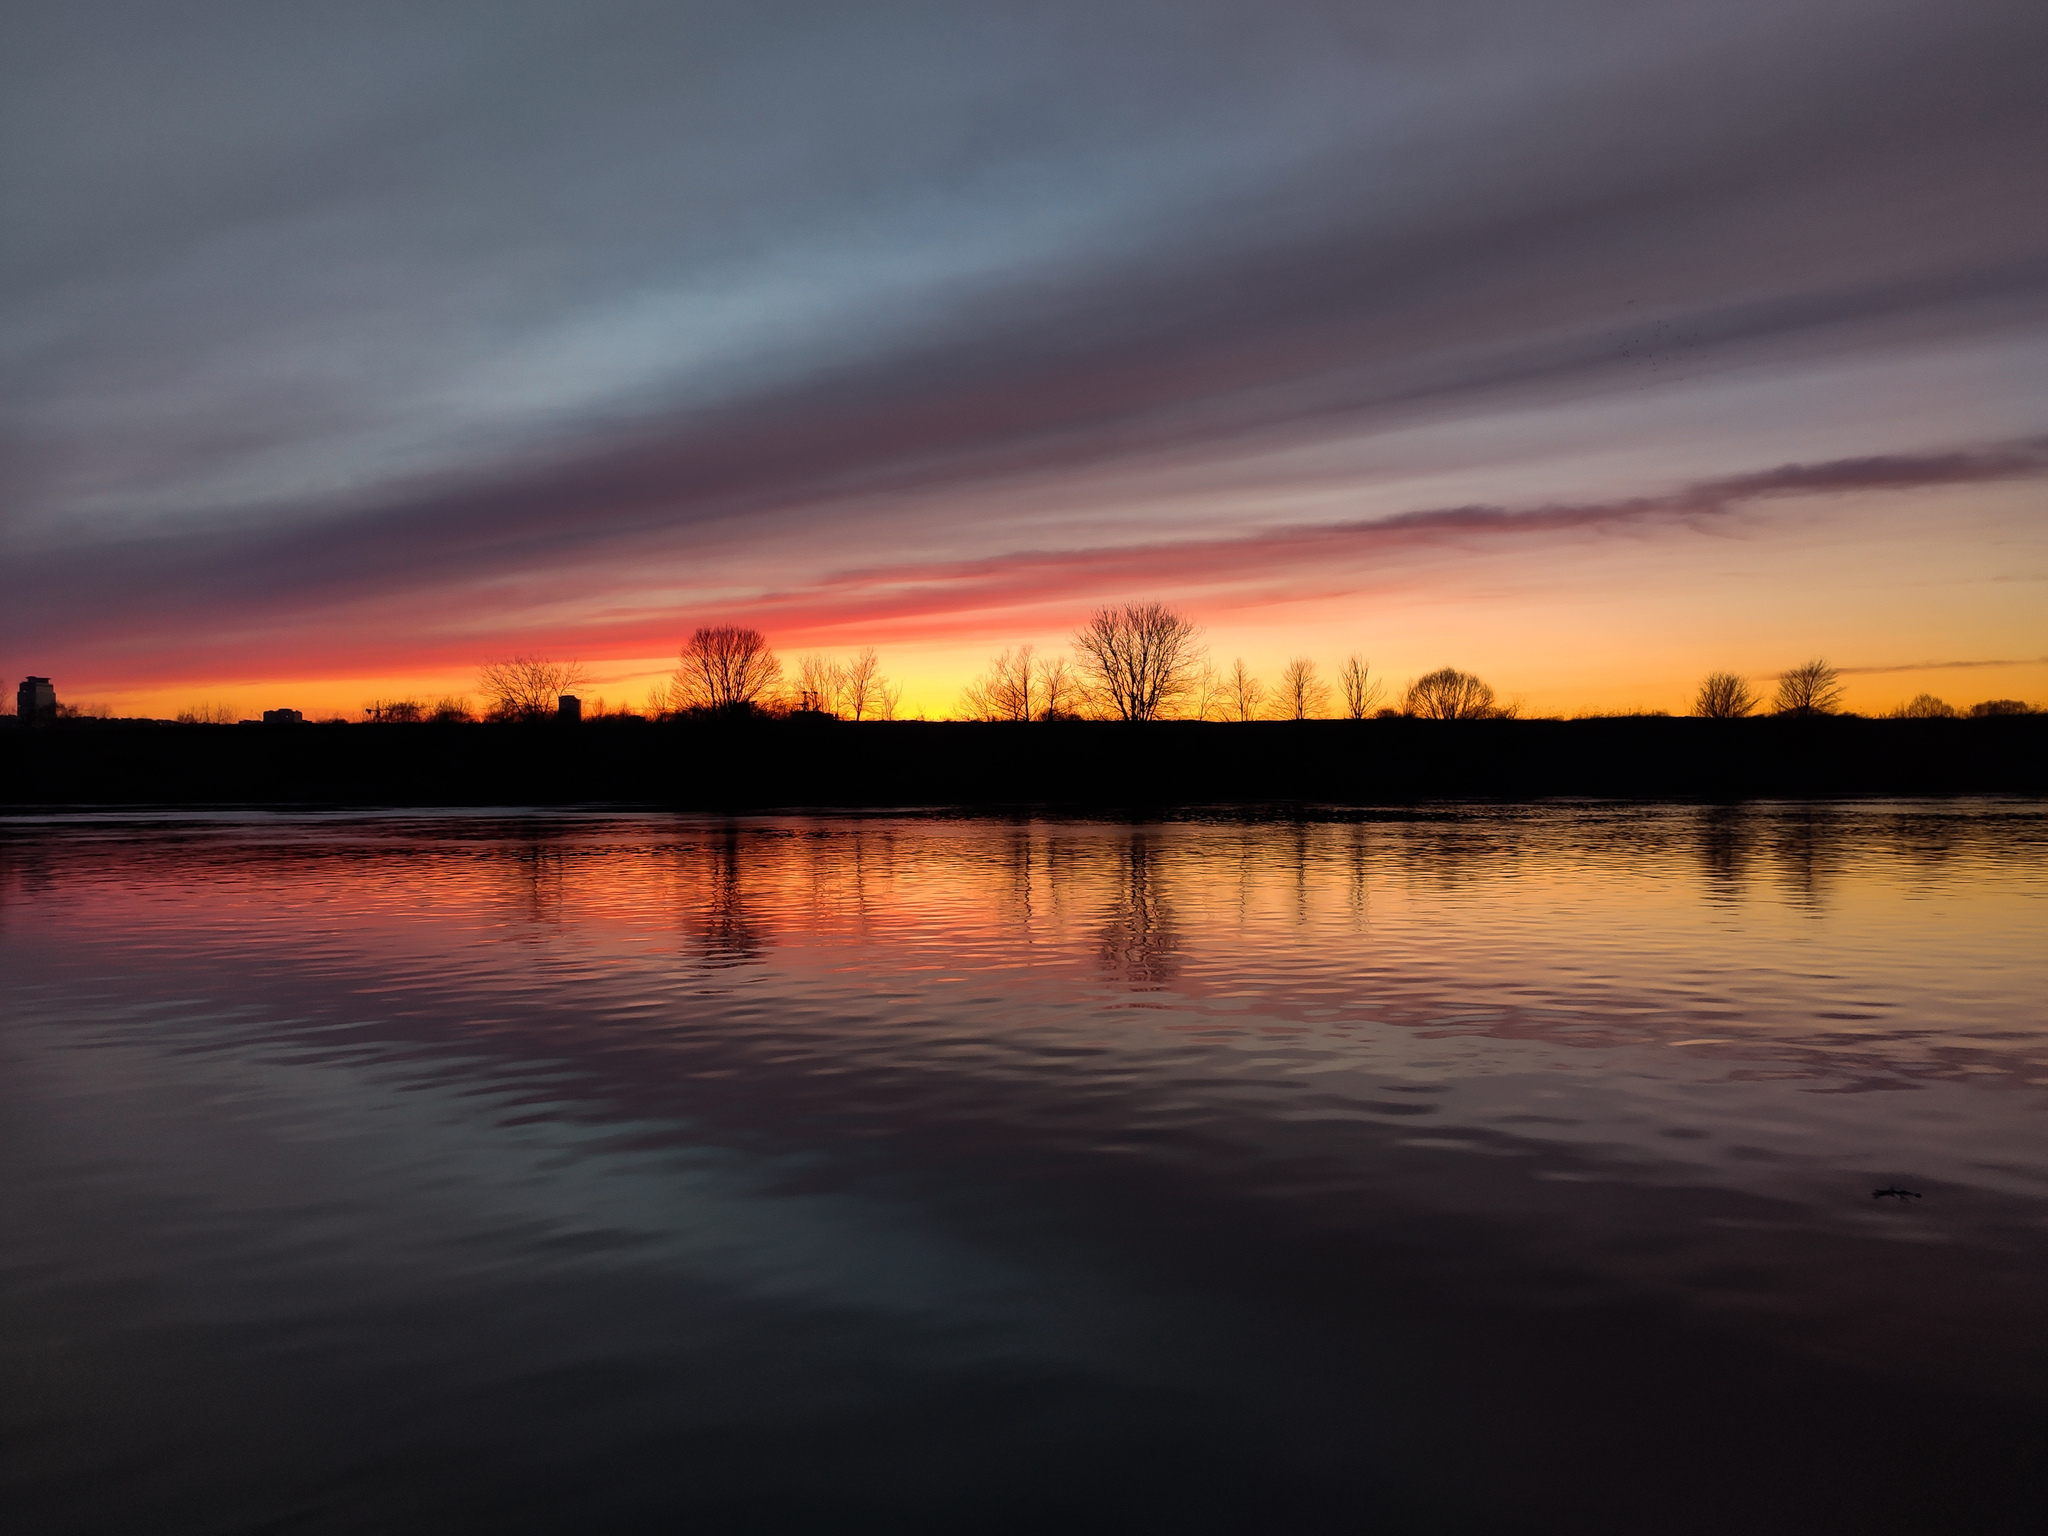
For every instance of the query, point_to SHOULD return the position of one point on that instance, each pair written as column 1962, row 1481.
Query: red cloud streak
column 1018, row 590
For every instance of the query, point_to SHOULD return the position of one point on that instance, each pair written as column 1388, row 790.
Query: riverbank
column 768, row 764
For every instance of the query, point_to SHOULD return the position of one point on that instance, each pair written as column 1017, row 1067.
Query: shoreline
column 829, row 765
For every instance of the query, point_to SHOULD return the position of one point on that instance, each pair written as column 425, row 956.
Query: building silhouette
column 35, row 700
column 283, row 717
column 569, row 709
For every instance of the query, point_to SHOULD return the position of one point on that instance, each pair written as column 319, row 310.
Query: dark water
column 1484, row 1170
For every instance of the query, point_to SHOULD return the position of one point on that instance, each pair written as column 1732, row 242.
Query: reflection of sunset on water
column 995, row 1103
column 1595, row 928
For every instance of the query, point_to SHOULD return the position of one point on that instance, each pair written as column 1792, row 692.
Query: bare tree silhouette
column 818, row 681
column 2000, row 707
column 1723, row 696
column 527, row 687
column 1302, row 694
column 1814, row 689
column 1140, row 658
column 860, row 685
column 1361, row 688
column 1008, row 690
column 1021, row 685
column 1448, row 694
column 725, row 667
column 1242, row 693
column 1206, row 694
column 1060, row 685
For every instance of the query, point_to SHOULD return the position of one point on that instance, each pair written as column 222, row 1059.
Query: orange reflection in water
column 1852, row 945
column 1584, row 1079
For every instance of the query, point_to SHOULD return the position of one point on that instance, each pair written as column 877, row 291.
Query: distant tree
column 978, row 699
column 1302, row 694
column 1814, row 689
column 527, row 688
column 725, row 667
column 1723, row 696
column 860, row 685
column 818, row 681
column 1066, row 696
column 1243, row 694
column 1016, row 680
column 1924, row 706
column 1205, row 696
column 1448, row 694
column 82, row 711
column 1008, row 690
column 207, row 714
column 395, row 711
column 1021, row 685
column 888, row 700
column 1999, row 707
column 1139, row 658
column 1361, row 688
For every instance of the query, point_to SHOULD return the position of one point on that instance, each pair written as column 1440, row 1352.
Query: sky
column 1588, row 346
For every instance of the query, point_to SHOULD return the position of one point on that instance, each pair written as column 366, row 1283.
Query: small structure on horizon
column 35, row 700
column 283, row 717
column 569, row 709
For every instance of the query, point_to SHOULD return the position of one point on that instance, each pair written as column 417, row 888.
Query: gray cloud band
column 894, row 595
column 381, row 306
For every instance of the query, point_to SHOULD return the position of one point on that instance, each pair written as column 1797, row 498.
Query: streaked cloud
column 337, row 336
column 1944, row 666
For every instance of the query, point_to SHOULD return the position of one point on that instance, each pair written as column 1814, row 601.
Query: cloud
column 923, row 599
column 1943, row 666
column 1294, row 554
column 380, row 328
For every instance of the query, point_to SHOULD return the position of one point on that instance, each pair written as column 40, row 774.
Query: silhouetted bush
column 1448, row 694
column 206, row 714
column 1814, row 689
column 1724, row 696
column 1924, row 706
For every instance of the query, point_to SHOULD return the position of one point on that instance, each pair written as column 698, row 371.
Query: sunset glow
column 1216, row 766
column 934, row 334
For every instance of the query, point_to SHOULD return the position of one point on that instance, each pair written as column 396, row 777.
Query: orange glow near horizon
column 1564, row 623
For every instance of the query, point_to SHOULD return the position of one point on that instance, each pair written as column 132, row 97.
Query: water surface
column 1483, row 1169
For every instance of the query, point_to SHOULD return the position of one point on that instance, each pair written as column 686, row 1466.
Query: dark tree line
column 1132, row 662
